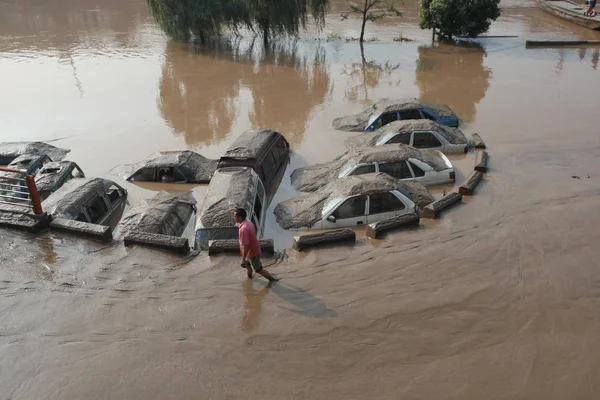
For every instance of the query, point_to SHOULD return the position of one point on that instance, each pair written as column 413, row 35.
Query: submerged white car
column 420, row 133
column 428, row 167
column 352, row 201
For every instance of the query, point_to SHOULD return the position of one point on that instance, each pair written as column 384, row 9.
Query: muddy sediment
column 497, row 299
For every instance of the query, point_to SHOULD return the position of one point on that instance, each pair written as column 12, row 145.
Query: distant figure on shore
column 590, row 11
column 249, row 246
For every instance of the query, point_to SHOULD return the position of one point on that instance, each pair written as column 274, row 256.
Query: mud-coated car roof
column 51, row 174
column 75, row 196
column 195, row 167
column 250, row 144
column 358, row 122
column 12, row 150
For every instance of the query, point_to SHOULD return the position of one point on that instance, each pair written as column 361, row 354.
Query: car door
column 398, row 170
column 426, row 140
column 363, row 169
column 351, row 212
column 383, row 206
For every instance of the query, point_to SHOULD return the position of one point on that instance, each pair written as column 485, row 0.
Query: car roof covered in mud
column 359, row 121
column 307, row 210
column 75, row 196
column 11, row 150
column 453, row 135
column 52, row 173
column 230, row 188
column 151, row 215
column 194, row 166
column 250, row 143
column 312, row 177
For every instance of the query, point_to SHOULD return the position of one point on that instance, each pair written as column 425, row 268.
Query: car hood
column 362, row 140
column 301, row 212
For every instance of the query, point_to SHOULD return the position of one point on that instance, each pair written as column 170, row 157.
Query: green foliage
column 458, row 17
column 372, row 10
column 181, row 19
column 402, row 38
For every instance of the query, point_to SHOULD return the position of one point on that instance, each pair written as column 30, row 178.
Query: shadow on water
column 205, row 90
column 454, row 76
column 304, row 303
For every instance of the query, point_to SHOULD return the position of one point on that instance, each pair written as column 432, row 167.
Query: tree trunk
column 202, row 38
column 265, row 26
column 364, row 21
column 433, row 36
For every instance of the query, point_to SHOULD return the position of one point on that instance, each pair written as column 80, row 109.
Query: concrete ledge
column 477, row 141
column 172, row 243
column 433, row 209
column 473, row 180
column 232, row 246
column 82, row 228
column 481, row 161
column 322, row 238
column 542, row 43
column 376, row 229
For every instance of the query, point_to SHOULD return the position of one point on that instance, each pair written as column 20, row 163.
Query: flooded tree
column 203, row 19
column 452, row 18
column 182, row 19
column 284, row 17
column 454, row 76
column 372, row 10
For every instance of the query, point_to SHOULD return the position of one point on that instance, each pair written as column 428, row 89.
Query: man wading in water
column 249, row 246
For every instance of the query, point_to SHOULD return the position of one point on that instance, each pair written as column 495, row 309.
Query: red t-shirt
column 247, row 235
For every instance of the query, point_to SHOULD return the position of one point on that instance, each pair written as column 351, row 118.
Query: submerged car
column 265, row 151
column 230, row 188
column 29, row 164
column 172, row 167
column 164, row 214
column 429, row 167
column 351, row 201
column 386, row 111
column 9, row 151
column 55, row 174
column 421, row 134
column 92, row 200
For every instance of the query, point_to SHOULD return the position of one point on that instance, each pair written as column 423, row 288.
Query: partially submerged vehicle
column 9, row 151
column 172, row 167
column 92, row 200
column 164, row 214
column 420, row 133
column 386, row 111
column 29, row 164
column 351, row 201
column 230, row 188
column 429, row 167
column 265, row 151
column 55, row 174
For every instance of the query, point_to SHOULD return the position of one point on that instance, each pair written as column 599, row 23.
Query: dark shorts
column 592, row 3
column 255, row 263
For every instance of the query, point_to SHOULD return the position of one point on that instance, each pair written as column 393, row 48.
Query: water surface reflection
column 206, row 90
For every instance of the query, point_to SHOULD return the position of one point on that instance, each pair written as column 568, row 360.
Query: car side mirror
column 331, row 218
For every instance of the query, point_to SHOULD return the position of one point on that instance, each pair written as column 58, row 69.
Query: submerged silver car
column 429, row 167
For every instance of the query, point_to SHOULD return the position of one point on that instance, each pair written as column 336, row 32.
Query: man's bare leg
column 249, row 270
column 265, row 274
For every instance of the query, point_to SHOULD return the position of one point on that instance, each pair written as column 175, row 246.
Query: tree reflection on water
column 454, row 76
column 204, row 89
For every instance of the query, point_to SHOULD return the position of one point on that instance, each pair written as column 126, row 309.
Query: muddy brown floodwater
column 500, row 299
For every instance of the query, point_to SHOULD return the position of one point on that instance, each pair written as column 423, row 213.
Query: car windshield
column 203, row 236
column 346, row 170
